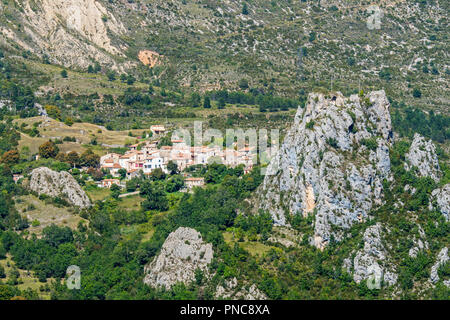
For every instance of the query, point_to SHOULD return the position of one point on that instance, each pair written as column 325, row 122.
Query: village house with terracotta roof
column 194, row 182
column 157, row 129
column 108, row 183
column 149, row 157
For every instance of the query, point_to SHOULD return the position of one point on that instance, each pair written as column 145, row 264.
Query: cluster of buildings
column 146, row 157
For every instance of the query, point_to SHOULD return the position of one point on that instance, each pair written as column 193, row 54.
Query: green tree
column 111, row 74
column 55, row 236
column 97, row 67
column 123, row 173
column 115, row 191
column 8, row 292
column 157, row 174
column 207, row 103
column 417, row 93
column 130, row 80
column 195, row 100
column 221, row 103
column 68, row 121
column 155, row 196
column 174, row 183
column 10, row 157
column 245, row 9
column 243, row 84
column 53, row 112
column 48, row 150
column 90, row 159
column 64, row 73
column 73, row 158
column 172, row 167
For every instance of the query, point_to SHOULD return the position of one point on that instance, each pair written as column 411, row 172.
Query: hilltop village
column 145, row 157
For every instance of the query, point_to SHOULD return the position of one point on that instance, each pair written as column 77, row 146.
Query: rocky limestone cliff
column 441, row 259
column 419, row 243
column 441, row 197
column 58, row 184
column 69, row 32
column 422, row 155
column 370, row 261
column 232, row 290
column 182, row 253
column 331, row 164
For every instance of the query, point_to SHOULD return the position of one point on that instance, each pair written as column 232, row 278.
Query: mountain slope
column 332, row 163
column 345, row 183
column 285, row 45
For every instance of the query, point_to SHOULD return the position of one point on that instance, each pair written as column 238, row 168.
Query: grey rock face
column 181, row 254
column 420, row 243
column 331, row 164
column 41, row 110
column 442, row 258
column 371, row 260
column 58, row 184
column 442, row 197
column 231, row 290
column 422, row 155
column 70, row 32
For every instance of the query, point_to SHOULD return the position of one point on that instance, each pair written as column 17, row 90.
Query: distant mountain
column 287, row 45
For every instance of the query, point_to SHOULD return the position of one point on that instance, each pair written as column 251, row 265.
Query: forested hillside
column 361, row 188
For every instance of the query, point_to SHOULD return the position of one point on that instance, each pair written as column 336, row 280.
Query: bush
column 417, row 93
column 370, row 143
column 310, row 124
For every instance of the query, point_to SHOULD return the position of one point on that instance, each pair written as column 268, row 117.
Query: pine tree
column 207, row 103
column 245, row 9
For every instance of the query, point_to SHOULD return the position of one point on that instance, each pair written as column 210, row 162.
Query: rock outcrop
column 181, row 255
column 231, row 290
column 442, row 258
column 419, row 243
column 70, row 32
column 58, row 184
column 331, row 164
column 441, row 197
column 150, row 58
column 371, row 260
column 422, row 155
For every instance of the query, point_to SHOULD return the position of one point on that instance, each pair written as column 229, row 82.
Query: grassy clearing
column 46, row 213
column 84, row 133
column 26, row 280
column 98, row 194
column 253, row 247
column 148, row 235
column 146, row 230
column 130, row 203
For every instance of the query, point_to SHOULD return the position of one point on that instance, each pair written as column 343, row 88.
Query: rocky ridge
column 58, row 184
column 371, row 261
column 441, row 197
column 182, row 253
column 422, row 155
column 331, row 164
column 442, row 258
column 232, row 290
column 70, row 32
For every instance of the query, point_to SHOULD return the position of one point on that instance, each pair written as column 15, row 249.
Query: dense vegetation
column 111, row 244
column 430, row 125
column 112, row 259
